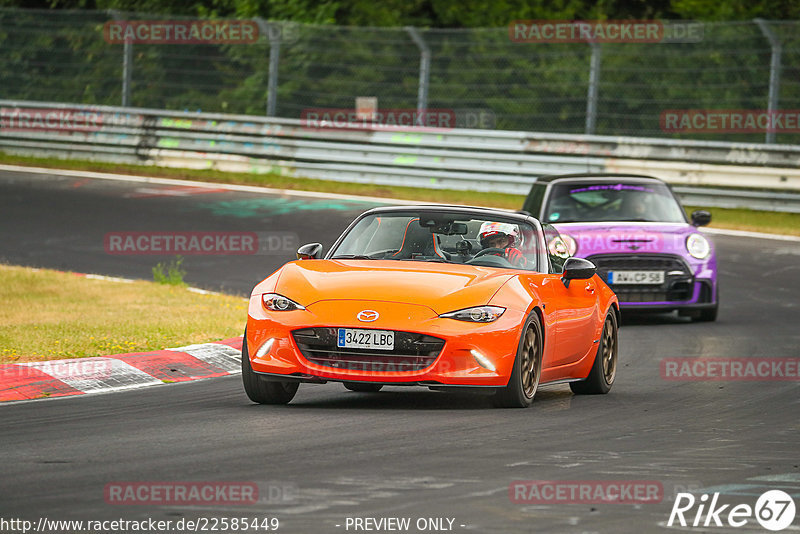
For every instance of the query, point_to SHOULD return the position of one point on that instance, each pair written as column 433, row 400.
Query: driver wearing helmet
column 503, row 237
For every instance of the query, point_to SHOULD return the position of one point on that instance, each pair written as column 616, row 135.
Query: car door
column 575, row 307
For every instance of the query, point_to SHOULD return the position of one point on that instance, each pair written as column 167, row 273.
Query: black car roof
column 598, row 176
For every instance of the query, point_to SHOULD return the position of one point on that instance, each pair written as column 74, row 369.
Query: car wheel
column 707, row 316
column 527, row 368
column 604, row 369
column 363, row 388
column 264, row 391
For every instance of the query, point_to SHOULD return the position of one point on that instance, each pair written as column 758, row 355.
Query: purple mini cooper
column 635, row 231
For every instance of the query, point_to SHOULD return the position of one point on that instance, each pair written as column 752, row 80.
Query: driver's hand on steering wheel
column 515, row 257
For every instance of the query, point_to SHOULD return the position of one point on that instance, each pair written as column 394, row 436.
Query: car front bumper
column 454, row 365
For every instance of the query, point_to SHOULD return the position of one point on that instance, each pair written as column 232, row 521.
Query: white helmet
column 494, row 229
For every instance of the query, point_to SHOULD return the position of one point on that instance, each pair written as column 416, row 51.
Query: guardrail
column 482, row 160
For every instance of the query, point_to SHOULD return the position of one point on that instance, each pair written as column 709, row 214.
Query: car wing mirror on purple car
column 311, row 251
column 700, row 218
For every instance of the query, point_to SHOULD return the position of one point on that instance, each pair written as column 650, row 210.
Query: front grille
column 412, row 352
column 678, row 278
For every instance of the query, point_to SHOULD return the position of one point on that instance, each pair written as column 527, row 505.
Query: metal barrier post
column 268, row 29
column 127, row 65
column 424, row 73
column 594, row 81
column 774, row 72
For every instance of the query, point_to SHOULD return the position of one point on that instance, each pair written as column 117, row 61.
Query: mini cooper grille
column 678, row 278
column 412, row 352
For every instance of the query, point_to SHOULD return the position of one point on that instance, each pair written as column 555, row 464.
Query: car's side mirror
column 700, row 218
column 577, row 269
column 311, row 251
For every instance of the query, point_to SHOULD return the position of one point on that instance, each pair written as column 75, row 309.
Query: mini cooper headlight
column 698, row 246
column 478, row 314
column 276, row 302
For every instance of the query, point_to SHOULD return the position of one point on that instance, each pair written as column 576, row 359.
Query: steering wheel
column 495, row 251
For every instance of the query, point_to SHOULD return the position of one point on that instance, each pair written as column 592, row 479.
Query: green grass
column 50, row 315
column 771, row 222
column 170, row 273
column 736, row 219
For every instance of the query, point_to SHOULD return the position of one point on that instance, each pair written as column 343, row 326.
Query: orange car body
column 411, row 296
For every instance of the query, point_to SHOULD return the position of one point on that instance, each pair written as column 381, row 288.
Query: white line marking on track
column 205, row 185
column 297, row 193
column 756, row 235
column 110, row 278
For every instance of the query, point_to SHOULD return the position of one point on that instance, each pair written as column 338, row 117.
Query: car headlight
column 572, row 245
column 276, row 302
column 478, row 314
column 698, row 246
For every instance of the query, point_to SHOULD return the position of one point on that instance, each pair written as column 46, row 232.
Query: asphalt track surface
column 333, row 454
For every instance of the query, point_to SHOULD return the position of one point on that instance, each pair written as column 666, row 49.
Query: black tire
column 524, row 380
column 604, row 369
column 707, row 316
column 363, row 388
column 264, row 391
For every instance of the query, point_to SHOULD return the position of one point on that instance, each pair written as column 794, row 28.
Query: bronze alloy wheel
column 531, row 354
column 609, row 349
column 524, row 379
column 604, row 369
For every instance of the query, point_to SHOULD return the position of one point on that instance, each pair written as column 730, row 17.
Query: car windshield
column 442, row 237
column 607, row 201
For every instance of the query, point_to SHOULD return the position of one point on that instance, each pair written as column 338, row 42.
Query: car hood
column 441, row 287
column 627, row 237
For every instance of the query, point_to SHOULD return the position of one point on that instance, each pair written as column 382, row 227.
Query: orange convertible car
column 434, row 296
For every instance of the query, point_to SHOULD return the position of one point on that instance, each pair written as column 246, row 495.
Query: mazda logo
column 367, row 316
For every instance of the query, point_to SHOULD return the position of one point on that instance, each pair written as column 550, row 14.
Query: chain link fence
column 482, row 75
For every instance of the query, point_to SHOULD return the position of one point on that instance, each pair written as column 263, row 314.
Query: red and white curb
column 80, row 376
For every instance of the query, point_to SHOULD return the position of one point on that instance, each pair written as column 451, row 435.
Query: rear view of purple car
column 635, row 231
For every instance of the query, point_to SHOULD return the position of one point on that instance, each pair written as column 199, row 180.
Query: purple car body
column 651, row 255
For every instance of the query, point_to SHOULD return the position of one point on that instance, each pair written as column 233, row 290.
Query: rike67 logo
column 774, row 510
